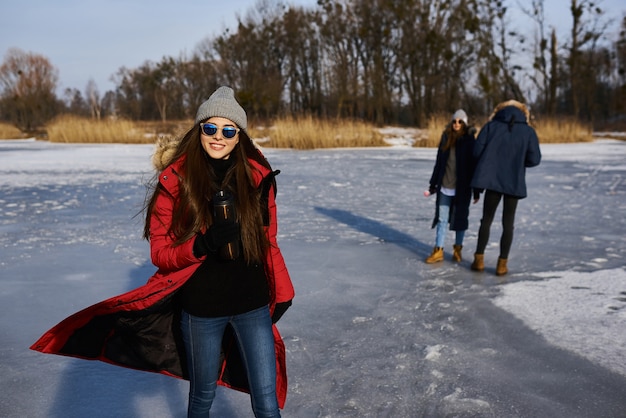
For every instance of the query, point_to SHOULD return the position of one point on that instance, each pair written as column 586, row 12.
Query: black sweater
column 224, row 287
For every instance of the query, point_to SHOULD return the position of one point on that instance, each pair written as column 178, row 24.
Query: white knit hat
column 460, row 114
column 222, row 103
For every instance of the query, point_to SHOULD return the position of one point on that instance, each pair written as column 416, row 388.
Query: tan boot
column 479, row 262
column 436, row 256
column 501, row 269
column 456, row 253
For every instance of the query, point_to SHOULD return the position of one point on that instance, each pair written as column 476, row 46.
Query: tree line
column 384, row 61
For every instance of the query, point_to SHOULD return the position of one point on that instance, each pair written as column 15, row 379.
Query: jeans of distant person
column 203, row 343
column 442, row 221
column 491, row 202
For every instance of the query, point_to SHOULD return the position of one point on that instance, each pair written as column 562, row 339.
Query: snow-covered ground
column 373, row 332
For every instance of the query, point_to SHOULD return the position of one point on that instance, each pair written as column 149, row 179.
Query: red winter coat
column 140, row 329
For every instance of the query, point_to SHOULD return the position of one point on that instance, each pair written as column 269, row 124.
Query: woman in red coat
column 207, row 314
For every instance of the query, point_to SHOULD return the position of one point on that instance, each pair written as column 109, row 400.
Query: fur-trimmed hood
column 511, row 103
column 165, row 148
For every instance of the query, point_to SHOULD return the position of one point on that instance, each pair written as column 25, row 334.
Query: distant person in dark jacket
column 451, row 180
column 505, row 146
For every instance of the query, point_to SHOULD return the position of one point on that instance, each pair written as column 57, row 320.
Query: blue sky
column 87, row 39
column 92, row 39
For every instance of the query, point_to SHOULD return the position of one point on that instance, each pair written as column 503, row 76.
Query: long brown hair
column 452, row 135
column 198, row 183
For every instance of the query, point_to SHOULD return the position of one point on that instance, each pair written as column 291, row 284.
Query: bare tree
column 109, row 105
column 252, row 59
column 545, row 60
column 436, row 53
column 554, row 75
column 165, row 85
column 620, row 85
column 75, row 103
column 340, row 45
column 28, row 82
column 381, row 60
column 93, row 98
column 497, row 71
column 199, row 78
column 377, row 55
column 301, row 41
column 587, row 28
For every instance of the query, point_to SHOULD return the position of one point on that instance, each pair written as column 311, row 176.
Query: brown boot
column 479, row 262
column 501, row 269
column 436, row 256
column 456, row 253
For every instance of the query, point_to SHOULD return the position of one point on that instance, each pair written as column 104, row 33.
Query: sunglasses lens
column 229, row 132
column 209, row 129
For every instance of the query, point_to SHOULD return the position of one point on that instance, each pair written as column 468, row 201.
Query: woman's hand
column 217, row 235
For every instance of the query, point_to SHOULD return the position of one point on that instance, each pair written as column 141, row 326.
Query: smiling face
column 217, row 146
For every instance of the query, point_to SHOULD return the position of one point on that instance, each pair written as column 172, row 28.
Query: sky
column 93, row 39
column 88, row 39
column 373, row 330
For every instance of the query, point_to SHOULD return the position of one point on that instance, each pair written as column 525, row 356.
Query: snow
column 373, row 331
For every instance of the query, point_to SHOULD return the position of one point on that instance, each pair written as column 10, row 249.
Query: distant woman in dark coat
column 451, row 179
column 504, row 148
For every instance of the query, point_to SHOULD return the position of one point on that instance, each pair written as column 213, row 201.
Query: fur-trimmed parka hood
column 511, row 103
column 165, row 148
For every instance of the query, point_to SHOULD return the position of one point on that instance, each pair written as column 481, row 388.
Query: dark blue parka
column 505, row 146
column 459, row 209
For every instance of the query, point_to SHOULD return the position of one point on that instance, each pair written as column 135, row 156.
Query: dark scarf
column 220, row 167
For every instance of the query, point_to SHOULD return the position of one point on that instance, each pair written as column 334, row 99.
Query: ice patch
column 552, row 307
column 361, row 320
column 456, row 405
column 433, row 353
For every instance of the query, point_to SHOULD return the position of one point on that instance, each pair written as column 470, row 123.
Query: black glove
column 279, row 310
column 217, row 235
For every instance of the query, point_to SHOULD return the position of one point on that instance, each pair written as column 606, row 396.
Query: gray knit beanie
column 460, row 114
column 222, row 103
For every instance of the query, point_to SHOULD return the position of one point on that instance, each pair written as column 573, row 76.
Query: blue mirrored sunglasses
column 211, row 129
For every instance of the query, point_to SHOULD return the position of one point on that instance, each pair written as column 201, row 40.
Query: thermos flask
column 224, row 211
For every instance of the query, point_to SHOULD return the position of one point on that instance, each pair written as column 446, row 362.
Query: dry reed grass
column 288, row 132
column 10, row 132
column 434, row 128
column 562, row 130
column 68, row 128
column 310, row 133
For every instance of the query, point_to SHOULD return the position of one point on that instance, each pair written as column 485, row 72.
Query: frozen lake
column 373, row 331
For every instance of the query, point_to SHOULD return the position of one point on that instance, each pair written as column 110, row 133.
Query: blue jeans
column 442, row 222
column 203, row 343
